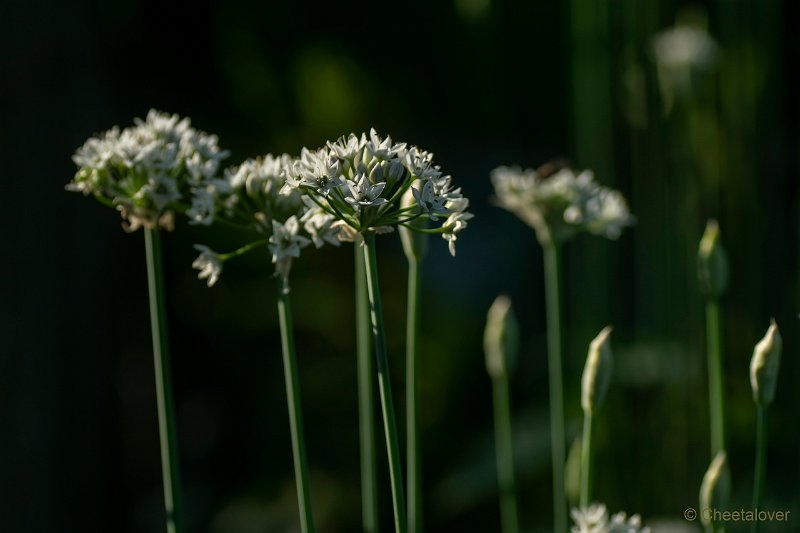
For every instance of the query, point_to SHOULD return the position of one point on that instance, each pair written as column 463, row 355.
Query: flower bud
column 715, row 489
column 415, row 244
column 765, row 364
column 597, row 372
column 712, row 262
column 501, row 338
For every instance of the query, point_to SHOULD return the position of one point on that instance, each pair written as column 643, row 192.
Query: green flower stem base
column 586, row 461
column 384, row 385
column 163, row 376
column 557, row 436
column 412, row 443
column 366, row 407
column 505, row 455
column 295, row 410
column 761, row 463
column 716, row 395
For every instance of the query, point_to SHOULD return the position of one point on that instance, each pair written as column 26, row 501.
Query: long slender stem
column 716, row 393
column 761, row 463
column 366, row 407
column 586, row 461
column 295, row 409
column 163, row 375
column 412, row 443
column 505, row 455
column 557, row 438
column 384, row 385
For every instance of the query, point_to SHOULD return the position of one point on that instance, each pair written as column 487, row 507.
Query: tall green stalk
column 170, row 472
column 366, row 407
column 384, row 385
column 505, row 455
column 557, row 437
column 295, row 409
column 716, row 394
column 412, row 439
column 761, row 463
column 586, row 461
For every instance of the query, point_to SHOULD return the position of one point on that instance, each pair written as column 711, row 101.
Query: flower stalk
column 384, row 385
column 366, row 404
column 501, row 344
column 170, row 471
column 295, row 409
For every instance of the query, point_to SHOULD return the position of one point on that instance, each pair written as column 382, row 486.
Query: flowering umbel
column 361, row 180
column 595, row 519
column 149, row 170
column 253, row 196
column 560, row 205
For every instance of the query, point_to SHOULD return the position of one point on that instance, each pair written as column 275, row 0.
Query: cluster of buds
column 595, row 519
column 559, row 205
column 148, row 171
column 361, row 181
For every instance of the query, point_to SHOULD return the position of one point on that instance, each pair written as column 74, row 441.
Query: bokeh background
column 708, row 127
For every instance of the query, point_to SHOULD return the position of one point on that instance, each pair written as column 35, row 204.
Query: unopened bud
column 765, row 364
column 597, row 372
column 715, row 489
column 501, row 338
column 415, row 243
column 712, row 262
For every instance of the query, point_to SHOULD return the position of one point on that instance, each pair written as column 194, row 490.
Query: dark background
column 479, row 82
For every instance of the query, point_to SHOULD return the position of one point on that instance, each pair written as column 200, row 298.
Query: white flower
column 594, row 519
column 361, row 193
column 208, row 263
column 285, row 243
column 319, row 225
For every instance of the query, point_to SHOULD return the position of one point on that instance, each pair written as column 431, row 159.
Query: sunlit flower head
column 208, row 263
column 562, row 204
column 361, row 180
column 595, row 519
column 147, row 171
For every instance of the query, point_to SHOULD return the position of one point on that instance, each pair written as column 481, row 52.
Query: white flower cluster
column 145, row 171
column 562, row 204
column 253, row 195
column 361, row 181
column 595, row 519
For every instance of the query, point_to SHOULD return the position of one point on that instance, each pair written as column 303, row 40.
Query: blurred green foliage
column 480, row 83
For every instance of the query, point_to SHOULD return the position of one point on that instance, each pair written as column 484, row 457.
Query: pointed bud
column 715, row 489
column 501, row 338
column 597, row 372
column 712, row 262
column 415, row 244
column 765, row 364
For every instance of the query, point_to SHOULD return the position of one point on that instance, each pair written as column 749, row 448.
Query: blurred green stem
column 557, row 438
column 163, row 376
column 384, row 385
column 761, row 463
column 295, row 409
column 586, row 461
column 716, row 401
column 505, row 454
column 366, row 407
column 412, row 443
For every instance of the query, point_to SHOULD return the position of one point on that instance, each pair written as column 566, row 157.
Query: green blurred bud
column 715, row 489
column 712, row 262
column 597, row 372
column 415, row 244
column 501, row 338
column 765, row 364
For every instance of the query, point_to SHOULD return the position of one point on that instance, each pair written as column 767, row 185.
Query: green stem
column 586, row 461
column 505, row 455
column 414, row 469
column 761, row 463
column 295, row 409
column 366, row 408
column 163, row 376
column 557, row 438
column 384, row 385
column 716, row 394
